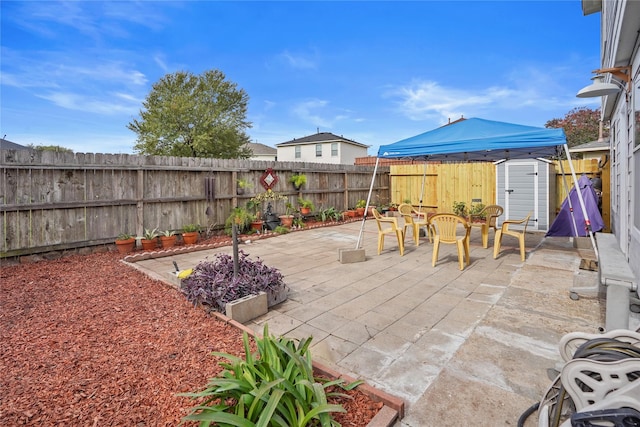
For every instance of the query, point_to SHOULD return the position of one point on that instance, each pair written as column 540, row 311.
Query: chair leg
column 461, row 250
column 467, row 251
column 496, row 244
column 416, row 234
column 380, row 243
column 400, row 236
column 485, row 236
column 522, row 252
column 436, row 247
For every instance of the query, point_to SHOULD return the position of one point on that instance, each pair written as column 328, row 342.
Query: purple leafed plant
column 212, row 283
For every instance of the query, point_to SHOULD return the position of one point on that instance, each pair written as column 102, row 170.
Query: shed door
column 521, row 192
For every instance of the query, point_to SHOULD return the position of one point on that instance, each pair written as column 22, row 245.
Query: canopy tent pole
column 366, row 209
column 581, row 200
column 566, row 188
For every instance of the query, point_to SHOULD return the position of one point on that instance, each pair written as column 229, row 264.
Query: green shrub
column 240, row 216
column 298, row 180
column 475, row 209
column 275, row 387
column 460, row 208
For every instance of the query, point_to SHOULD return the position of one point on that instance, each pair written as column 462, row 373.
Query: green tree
column 191, row 115
column 580, row 125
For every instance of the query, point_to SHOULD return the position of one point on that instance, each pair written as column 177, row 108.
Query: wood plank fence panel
column 445, row 184
column 57, row 201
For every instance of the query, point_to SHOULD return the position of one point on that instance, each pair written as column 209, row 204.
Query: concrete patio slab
column 461, row 348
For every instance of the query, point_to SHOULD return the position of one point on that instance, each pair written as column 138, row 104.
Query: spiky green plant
column 275, row 387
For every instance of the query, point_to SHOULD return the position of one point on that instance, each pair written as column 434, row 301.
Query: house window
column 298, row 155
column 318, row 150
column 334, row 149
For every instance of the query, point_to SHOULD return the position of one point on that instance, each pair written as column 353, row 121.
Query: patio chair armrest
column 390, row 219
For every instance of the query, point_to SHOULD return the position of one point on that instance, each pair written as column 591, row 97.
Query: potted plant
column 476, row 214
column 253, row 206
column 306, row 206
column 213, row 284
column 149, row 239
column 190, row 233
column 125, row 243
column 460, row 209
column 242, row 184
column 271, row 219
column 241, row 217
column 167, row 238
column 360, row 205
column 287, row 219
column 298, row 180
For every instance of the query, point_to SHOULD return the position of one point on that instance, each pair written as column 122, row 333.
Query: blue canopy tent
column 479, row 140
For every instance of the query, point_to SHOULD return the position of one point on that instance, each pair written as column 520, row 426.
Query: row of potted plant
column 150, row 239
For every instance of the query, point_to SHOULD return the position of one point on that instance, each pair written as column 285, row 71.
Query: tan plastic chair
column 447, row 231
column 415, row 220
column 515, row 233
column 388, row 225
column 486, row 219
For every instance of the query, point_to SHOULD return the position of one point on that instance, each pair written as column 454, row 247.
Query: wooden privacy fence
column 447, row 183
column 53, row 201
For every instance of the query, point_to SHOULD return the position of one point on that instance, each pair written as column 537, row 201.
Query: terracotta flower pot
column 257, row 225
column 360, row 211
column 190, row 237
column 286, row 220
column 168, row 241
column 126, row 246
column 149, row 244
column 305, row 211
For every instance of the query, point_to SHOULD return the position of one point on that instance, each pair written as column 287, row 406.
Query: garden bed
column 86, row 340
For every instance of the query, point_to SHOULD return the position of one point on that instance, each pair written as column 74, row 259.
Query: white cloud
column 78, row 102
column 527, row 90
column 307, row 111
column 298, row 61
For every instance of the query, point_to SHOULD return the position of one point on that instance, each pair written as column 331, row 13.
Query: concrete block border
column 393, row 408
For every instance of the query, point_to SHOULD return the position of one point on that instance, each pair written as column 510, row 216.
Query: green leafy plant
column 190, row 228
column 361, row 204
column 475, row 210
column 289, row 208
column 274, row 387
column 306, row 203
column 167, row 233
column 241, row 217
column 124, row 236
column 329, row 214
column 407, row 201
column 298, row 222
column 460, row 208
column 149, row 234
column 243, row 183
column 298, row 180
column 281, row 229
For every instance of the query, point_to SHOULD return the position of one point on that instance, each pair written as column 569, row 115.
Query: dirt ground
column 89, row 341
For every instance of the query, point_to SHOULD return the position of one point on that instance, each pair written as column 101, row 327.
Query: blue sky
column 75, row 74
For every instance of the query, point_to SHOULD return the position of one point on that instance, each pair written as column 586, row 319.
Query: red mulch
column 88, row 341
